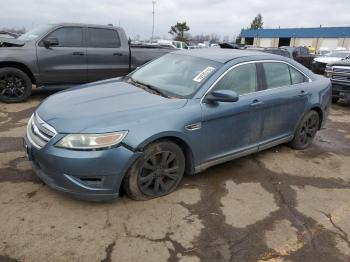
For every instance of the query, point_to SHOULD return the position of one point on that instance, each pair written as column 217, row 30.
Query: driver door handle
column 117, row 54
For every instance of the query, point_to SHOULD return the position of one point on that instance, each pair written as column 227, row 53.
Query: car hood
column 327, row 60
column 9, row 42
column 104, row 106
column 345, row 62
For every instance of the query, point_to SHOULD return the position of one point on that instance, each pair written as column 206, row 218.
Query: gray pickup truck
column 339, row 73
column 65, row 55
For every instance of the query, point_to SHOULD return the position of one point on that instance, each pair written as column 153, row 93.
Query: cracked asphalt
column 276, row 205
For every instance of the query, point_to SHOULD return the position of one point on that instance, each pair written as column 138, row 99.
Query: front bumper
column 88, row 175
column 341, row 89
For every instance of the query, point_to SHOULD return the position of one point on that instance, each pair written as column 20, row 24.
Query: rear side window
column 296, row 76
column 241, row 79
column 68, row 36
column 276, row 74
column 103, row 38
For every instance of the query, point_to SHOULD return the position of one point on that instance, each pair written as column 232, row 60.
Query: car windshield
column 34, row 33
column 338, row 54
column 176, row 75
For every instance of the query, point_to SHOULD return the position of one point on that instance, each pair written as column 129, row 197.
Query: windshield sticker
column 202, row 75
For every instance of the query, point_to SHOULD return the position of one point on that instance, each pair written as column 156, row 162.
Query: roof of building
column 221, row 55
column 323, row 32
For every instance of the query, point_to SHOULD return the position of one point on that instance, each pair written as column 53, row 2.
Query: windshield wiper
column 149, row 87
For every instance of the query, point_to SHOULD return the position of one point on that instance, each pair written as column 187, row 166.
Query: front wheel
column 156, row 173
column 15, row 85
column 306, row 131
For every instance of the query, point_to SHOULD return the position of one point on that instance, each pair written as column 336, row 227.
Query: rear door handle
column 256, row 103
column 78, row 53
column 303, row 93
column 117, row 54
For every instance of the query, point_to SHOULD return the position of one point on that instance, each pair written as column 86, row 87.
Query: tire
column 306, row 131
column 335, row 100
column 15, row 85
column 156, row 173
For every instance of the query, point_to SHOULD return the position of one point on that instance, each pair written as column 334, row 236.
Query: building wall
column 331, row 43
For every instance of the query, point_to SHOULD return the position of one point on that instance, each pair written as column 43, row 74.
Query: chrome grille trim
column 341, row 73
column 39, row 132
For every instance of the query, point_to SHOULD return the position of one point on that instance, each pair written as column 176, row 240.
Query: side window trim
column 249, row 62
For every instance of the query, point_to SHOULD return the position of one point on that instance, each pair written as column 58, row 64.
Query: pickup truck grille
column 341, row 73
column 39, row 132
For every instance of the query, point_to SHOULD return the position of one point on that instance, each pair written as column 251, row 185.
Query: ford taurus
column 179, row 114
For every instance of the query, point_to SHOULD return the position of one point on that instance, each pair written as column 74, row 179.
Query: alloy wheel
column 309, row 129
column 159, row 174
column 12, row 86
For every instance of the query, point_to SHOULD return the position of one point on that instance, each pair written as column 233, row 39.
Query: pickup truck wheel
column 306, row 131
column 15, row 85
column 156, row 173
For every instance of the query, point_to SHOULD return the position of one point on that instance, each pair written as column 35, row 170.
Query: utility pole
column 153, row 3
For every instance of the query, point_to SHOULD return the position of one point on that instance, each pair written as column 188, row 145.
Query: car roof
column 85, row 25
column 222, row 55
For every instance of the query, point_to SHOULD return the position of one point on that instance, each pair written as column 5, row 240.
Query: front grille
column 341, row 69
column 341, row 73
column 39, row 132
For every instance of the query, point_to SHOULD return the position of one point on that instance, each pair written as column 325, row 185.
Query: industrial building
column 325, row 37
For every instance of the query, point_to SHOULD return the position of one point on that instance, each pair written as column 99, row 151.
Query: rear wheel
column 156, row 173
column 15, row 85
column 306, row 131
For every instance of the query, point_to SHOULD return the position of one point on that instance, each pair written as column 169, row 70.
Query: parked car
column 339, row 72
column 181, row 113
column 301, row 54
column 66, row 55
column 319, row 64
column 173, row 44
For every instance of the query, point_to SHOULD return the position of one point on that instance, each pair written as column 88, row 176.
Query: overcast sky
column 224, row 17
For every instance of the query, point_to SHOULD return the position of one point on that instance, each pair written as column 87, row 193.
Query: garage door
column 331, row 43
column 266, row 42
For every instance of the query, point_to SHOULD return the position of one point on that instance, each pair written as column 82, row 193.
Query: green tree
column 178, row 31
column 257, row 22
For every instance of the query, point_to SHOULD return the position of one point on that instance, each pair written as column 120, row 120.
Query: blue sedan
column 179, row 114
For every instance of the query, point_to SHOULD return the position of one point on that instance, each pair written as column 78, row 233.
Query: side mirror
column 222, row 96
column 51, row 42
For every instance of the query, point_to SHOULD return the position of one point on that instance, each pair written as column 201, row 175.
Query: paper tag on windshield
column 202, row 75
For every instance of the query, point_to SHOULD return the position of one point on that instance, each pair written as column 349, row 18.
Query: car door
column 107, row 57
column 284, row 101
column 231, row 128
column 66, row 62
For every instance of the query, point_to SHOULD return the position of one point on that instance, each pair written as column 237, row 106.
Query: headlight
column 328, row 71
column 91, row 141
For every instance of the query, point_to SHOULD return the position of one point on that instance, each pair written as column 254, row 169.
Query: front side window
column 176, row 75
column 68, row 36
column 241, row 79
column 103, row 38
column 276, row 74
